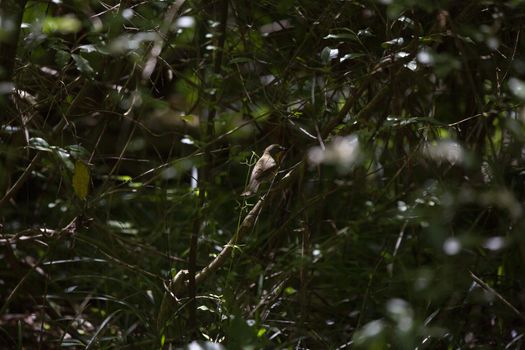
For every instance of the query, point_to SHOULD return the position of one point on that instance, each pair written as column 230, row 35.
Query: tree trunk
column 11, row 12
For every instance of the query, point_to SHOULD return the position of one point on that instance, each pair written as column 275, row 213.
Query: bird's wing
column 263, row 168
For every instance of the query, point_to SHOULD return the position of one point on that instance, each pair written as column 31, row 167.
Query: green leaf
column 64, row 156
column 342, row 36
column 351, row 56
column 39, row 144
column 77, row 151
column 62, row 58
column 83, row 65
column 394, row 42
column 81, row 179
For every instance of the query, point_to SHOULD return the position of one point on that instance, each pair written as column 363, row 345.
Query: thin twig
column 155, row 51
column 22, row 179
column 499, row 296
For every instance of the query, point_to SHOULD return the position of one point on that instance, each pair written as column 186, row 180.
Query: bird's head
column 274, row 150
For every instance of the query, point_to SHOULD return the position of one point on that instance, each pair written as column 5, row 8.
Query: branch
column 12, row 12
column 338, row 119
column 154, row 54
column 499, row 296
column 179, row 283
column 246, row 226
column 208, row 134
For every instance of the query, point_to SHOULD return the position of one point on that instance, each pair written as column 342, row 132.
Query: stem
column 208, row 134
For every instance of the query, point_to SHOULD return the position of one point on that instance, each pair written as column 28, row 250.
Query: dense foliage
column 129, row 131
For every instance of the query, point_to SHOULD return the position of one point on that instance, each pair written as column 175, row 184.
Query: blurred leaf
column 517, row 87
column 62, row 57
column 64, row 25
column 290, row 290
column 195, row 345
column 83, row 65
column 325, row 55
column 241, row 60
column 77, row 151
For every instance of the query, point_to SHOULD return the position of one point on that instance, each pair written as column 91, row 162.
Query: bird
column 264, row 169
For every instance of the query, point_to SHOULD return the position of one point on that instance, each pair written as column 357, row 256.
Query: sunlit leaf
column 40, row 144
column 81, row 179
column 66, row 24
column 342, row 36
column 261, row 332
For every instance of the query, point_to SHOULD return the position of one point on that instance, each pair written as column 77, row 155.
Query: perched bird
column 264, row 169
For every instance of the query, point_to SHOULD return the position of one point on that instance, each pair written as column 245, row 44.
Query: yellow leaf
column 81, row 179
